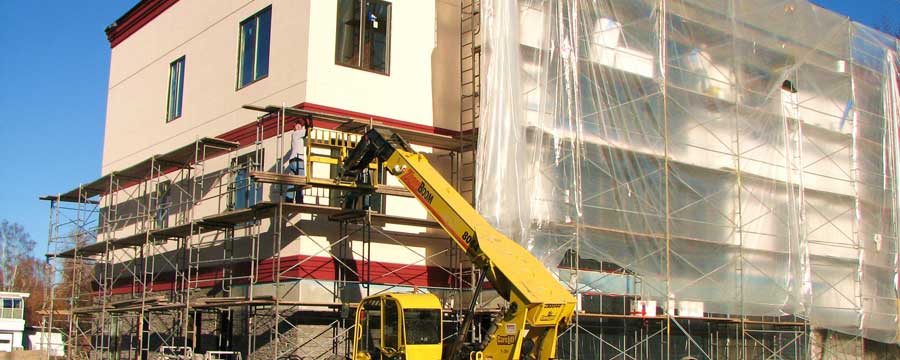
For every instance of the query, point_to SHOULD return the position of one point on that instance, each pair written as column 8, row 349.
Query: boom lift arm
column 539, row 306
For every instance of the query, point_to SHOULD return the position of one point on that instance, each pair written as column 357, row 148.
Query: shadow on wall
column 445, row 65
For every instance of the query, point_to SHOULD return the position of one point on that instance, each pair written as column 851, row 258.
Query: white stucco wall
column 424, row 54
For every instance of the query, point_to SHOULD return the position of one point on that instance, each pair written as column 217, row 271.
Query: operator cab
column 398, row 326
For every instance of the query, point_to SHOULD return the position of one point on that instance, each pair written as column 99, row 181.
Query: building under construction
column 711, row 179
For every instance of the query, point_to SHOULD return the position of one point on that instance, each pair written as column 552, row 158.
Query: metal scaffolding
column 194, row 251
column 729, row 165
column 463, row 171
column 197, row 251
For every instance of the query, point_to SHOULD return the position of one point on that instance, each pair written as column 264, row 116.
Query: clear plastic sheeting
column 740, row 154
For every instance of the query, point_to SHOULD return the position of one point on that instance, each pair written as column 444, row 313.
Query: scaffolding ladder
column 470, row 97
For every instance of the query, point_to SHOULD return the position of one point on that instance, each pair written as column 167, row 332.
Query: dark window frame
column 362, row 38
column 391, row 324
column 414, row 321
column 175, row 113
column 164, row 205
column 244, row 192
column 240, row 84
column 371, row 325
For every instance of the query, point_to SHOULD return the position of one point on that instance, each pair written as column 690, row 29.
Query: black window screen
column 391, row 325
column 363, row 35
column 423, row 326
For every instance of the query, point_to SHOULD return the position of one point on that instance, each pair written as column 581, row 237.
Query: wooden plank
column 232, row 217
column 347, row 214
column 297, row 180
column 276, row 178
column 393, row 190
column 182, row 230
column 261, row 210
column 179, row 157
column 382, row 219
column 377, row 218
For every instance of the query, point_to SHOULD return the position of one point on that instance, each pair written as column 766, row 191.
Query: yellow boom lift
column 408, row 326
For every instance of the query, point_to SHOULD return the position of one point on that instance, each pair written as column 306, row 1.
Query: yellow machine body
column 391, row 326
column 539, row 306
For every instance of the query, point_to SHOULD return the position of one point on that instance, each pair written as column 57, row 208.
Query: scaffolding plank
column 138, row 239
column 267, row 177
column 267, row 208
column 88, row 250
column 178, row 158
column 184, row 230
column 393, row 190
column 212, row 302
column 100, row 247
column 377, row 219
column 232, row 217
column 348, row 214
column 382, row 219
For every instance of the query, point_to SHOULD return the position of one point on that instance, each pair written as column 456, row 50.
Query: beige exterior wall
column 410, row 244
column 424, row 57
column 206, row 33
column 422, row 86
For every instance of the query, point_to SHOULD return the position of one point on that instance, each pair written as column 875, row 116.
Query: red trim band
column 305, row 267
column 385, row 120
column 133, row 20
column 246, row 134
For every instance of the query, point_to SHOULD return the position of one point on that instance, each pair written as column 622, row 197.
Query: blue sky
column 54, row 72
column 869, row 12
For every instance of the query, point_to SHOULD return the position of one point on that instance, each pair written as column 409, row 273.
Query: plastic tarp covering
column 741, row 154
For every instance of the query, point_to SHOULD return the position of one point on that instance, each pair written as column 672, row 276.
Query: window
column 423, row 326
column 176, row 89
column 11, row 309
column 364, row 35
column 247, row 192
column 253, row 59
column 163, row 190
column 391, row 325
column 370, row 320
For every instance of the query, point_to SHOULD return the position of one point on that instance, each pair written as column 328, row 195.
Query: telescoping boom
column 539, row 306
